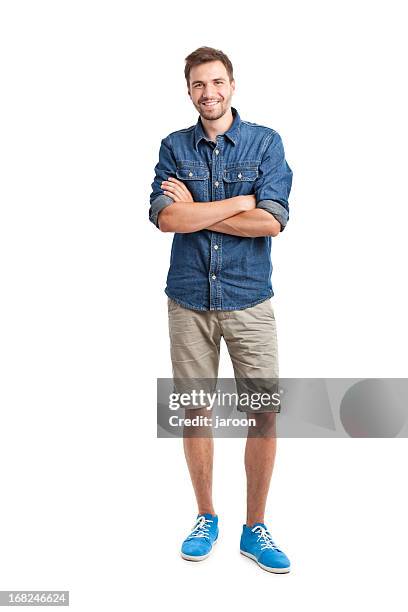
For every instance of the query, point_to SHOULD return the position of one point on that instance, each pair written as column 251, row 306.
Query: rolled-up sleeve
column 273, row 185
column 165, row 168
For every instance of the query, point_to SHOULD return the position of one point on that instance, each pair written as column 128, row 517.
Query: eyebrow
column 217, row 79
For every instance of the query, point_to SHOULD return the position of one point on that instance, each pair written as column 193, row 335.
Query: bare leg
column 260, row 454
column 199, row 450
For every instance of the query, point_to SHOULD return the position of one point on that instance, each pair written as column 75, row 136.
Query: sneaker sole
column 195, row 558
column 274, row 570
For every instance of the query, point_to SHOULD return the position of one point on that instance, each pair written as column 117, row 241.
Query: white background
column 90, row 500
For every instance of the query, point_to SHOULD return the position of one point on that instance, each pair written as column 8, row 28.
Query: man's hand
column 176, row 190
column 179, row 193
column 182, row 218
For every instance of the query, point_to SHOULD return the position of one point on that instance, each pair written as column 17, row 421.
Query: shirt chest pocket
column 240, row 179
column 196, row 179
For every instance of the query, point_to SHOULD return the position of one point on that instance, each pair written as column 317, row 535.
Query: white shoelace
column 201, row 528
column 264, row 537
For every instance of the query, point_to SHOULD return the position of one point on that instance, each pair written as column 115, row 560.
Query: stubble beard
column 212, row 115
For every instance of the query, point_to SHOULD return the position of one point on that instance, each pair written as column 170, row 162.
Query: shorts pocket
column 171, row 305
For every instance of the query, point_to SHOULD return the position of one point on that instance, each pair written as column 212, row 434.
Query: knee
column 265, row 425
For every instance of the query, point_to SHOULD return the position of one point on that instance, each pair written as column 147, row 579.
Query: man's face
column 211, row 90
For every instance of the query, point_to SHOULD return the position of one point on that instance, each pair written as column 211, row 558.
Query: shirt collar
column 232, row 134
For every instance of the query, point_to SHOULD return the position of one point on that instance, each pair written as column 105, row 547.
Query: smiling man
column 222, row 186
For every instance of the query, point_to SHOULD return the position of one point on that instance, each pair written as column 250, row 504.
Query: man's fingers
column 172, row 190
column 173, row 182
column 187, row 194
column 178, row 188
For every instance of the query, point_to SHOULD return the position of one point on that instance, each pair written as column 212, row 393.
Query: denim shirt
column 211, row 270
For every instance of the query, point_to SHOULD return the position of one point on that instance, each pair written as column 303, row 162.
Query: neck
column 219, row 126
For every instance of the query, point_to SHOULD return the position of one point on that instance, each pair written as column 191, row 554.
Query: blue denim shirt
column 211, row 270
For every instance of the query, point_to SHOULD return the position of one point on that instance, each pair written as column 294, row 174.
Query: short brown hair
column 207, row 54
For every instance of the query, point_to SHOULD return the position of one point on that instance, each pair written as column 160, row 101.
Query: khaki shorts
column 250, row 336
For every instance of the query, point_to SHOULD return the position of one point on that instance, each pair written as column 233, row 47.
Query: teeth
column 210, row 103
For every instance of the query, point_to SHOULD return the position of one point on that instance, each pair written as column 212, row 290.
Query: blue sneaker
column 257, row 544
column 198, row 545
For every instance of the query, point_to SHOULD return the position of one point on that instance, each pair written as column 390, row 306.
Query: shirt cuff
column 157, row 206
column 277, row 210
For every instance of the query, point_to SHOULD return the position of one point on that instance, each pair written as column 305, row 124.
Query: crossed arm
column 237, row 216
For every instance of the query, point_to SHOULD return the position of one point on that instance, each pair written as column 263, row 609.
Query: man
column 222, row 186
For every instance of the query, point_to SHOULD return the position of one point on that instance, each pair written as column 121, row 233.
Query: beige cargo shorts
column 250, row 336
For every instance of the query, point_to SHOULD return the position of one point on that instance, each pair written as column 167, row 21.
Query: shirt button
column 216, row 151
column 216, row 183
column 215, row 246
column 239, row 175
column 190, row 174
column 213, row 277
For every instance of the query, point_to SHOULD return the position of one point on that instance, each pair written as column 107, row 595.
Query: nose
column 209, row 91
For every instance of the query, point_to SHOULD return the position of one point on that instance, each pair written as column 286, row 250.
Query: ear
column 233, row 85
